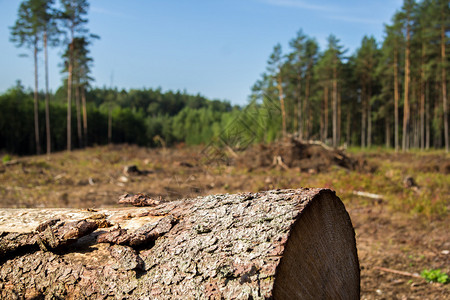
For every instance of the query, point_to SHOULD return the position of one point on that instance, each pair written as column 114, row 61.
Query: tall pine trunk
column 369, row 115
column 69, row 97
column 406, row 124
column 422, row 99
column 335, row 105
column 47, row 98
column 299, row 112
column 308, row 106
column 281, row 96
column 36, row 101
column 325, row 120
column 78, row 107
column 444, row 84
column 338, row 118
column 396, row 98
column 363, row 116
column 85, row 124
column 427, row 115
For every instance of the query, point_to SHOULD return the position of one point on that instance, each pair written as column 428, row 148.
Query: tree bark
column 299, row 112
column 281, row 244
column 335, row 106
column 47, row 98
column 422, row 99
column 325, row 119
column 85, row 123
column 78, row 108
column 444, row 83
column 427, row 115
column 281, row 95
column 396, row 98
column 369, row 114
column 406, row 121
column 308, row 107
column 36, row 101
column 69, row 97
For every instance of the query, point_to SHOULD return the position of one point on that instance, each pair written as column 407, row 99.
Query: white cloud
column 301, row 4
column 351, row 19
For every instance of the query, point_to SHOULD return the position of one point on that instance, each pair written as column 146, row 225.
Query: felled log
column 281, row 244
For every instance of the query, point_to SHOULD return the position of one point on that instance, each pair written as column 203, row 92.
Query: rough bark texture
column 283, row 244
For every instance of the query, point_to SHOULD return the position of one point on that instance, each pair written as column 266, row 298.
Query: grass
column 435, row 275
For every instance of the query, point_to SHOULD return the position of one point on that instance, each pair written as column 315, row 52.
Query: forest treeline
column 391, row 92
column 145, row 117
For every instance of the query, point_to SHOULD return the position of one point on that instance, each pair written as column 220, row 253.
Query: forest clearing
column 327, row 175
column 398, row 202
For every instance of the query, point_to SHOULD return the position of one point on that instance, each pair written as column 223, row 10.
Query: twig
column 399, row 272
column 319, row 143
column 368, row 195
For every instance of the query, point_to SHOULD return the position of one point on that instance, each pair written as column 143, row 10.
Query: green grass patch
column 435, row 275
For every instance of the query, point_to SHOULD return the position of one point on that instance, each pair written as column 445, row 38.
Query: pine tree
column 26, row 32
column 366, row 61
column 275, row 69
column 73, row 17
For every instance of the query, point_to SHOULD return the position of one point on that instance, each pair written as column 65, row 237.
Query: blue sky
column 217, row 48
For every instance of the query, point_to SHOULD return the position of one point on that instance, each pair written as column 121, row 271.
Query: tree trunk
column 339, row 118
column 281, row 95
column 363, row 115
column 308, row 106
column 427, row 115
column 85, row 124
column 369, row 115
column 283, row 244
column 444, row 84
column 299, row 112
column 69, row 97
column 406, row 94
column 36, row 102
column 422, row 99
column 47, row 98
column 325, row 129
column 335, row 106
column 396, row 98
column 78, row 107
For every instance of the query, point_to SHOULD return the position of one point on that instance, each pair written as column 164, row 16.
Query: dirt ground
column 393, row 232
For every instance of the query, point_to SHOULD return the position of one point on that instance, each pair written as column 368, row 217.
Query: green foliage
column 175, row 117
column 435, row 275
column 6, row 158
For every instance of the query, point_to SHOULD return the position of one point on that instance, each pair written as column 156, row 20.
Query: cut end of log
column 320, row 259
column 281, row 244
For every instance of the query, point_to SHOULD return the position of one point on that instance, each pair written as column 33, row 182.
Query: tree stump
column 280, row 244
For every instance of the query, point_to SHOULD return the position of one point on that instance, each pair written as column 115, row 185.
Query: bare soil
column 388, row 236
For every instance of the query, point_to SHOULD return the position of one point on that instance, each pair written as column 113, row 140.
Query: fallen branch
column 415, row 275
column 369, row 195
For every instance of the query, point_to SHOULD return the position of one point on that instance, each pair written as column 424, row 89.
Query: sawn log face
column 265, row 245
